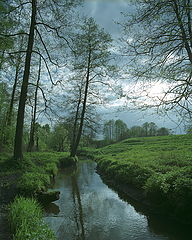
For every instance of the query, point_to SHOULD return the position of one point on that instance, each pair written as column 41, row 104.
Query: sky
column 107, row 13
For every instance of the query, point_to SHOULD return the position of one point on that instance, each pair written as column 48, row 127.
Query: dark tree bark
column 33, row 120
column 75, row 125
column 76, row 144
column 17, row 69
column 18, row 153
column 10, row 111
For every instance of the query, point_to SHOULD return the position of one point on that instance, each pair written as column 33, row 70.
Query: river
column 89, row 210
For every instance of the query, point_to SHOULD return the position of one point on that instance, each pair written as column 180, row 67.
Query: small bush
column 51, row 168
column 156, row 187
column 31, row 183
column 26, row 221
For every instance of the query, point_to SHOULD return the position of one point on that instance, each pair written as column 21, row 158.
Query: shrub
column 172, row 191
column 156, row 187
column 32, row 182
column 51, row 168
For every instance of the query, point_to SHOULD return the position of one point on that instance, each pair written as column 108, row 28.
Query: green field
column 160, row 166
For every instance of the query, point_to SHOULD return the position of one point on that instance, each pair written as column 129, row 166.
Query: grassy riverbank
column 33, row 174
column 159, row 166
column 30, row 179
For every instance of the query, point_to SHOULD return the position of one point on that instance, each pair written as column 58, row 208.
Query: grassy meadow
column 160, row 166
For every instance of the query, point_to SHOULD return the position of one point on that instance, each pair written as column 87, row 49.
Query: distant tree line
column 46, row 138
column 118, row 130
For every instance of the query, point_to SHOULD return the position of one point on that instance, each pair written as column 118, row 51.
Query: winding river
column 89, row 210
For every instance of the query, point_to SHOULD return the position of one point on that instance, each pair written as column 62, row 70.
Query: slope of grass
column 160, row 166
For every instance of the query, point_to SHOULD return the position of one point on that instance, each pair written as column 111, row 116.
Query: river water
column 89, row 210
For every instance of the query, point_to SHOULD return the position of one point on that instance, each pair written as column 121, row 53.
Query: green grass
column 34, row 175
column 26, row 219
column 37, row 170
column 160, row 166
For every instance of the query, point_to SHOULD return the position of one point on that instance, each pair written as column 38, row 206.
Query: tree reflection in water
column 91, row 210
column 78, row 210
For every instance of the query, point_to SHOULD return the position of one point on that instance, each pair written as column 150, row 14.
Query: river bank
column 155, row 171
column 29, row 179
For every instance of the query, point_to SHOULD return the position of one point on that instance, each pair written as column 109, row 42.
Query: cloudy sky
column 106, row 14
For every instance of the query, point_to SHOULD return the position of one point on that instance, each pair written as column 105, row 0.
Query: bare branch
column 56, row 30
column 14, row 35
column 44, row 45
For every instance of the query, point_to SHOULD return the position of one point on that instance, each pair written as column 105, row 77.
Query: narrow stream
column 89, row 209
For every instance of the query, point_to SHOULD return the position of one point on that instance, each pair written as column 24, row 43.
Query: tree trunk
column 18, row 153
column 17, row 69
column 84, row 108
column 75, row 127
column 10, row 111
column 37, row 143
column 33, row 121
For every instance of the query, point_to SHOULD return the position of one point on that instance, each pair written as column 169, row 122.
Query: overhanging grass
column 35, row 170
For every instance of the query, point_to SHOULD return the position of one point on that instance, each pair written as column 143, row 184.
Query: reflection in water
column 52, row 208
column 78, row 211
column 90, row 210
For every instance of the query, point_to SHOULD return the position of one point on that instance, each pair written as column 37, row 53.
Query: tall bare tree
column 92, row 65
column 33, row 120
column 18, row 153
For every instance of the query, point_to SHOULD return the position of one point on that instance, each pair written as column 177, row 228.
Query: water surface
column 89, row 210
